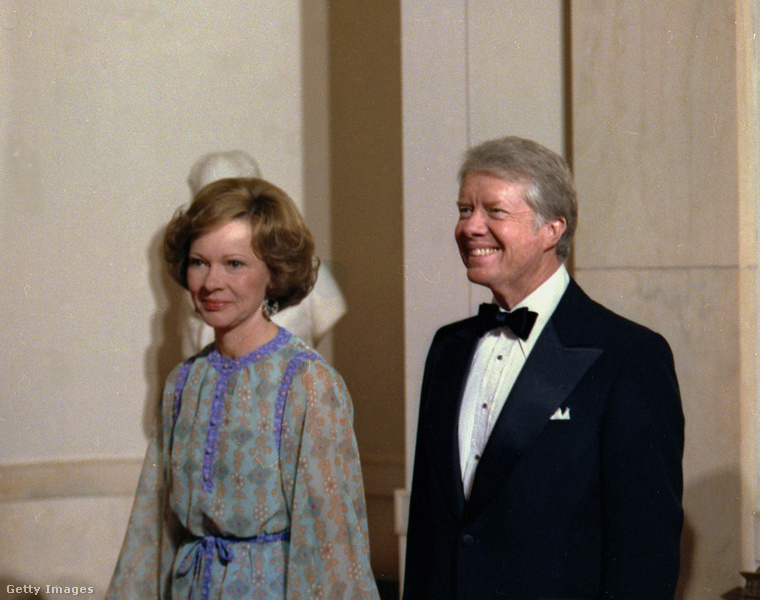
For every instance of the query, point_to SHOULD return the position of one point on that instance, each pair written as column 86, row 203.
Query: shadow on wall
column 687, row 559
column 734, row 594
column 710, row 542
column 173, row 315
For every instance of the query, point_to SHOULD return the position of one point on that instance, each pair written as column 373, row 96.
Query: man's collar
column 544, row 300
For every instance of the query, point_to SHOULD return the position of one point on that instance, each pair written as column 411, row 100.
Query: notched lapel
column 551, row 372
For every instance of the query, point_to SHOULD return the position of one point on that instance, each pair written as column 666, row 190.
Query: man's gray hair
column 550, row 190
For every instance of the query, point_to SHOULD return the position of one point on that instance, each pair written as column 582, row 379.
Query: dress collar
column 222, row 364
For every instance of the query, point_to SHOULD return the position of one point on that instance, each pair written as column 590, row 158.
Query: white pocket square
column 561, row 415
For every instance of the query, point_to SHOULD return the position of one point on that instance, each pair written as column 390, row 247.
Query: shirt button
column 467, row 541
column 477, row 457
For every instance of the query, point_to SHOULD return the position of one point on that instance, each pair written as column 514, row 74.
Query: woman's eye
column 195, row 262
column 235, row 264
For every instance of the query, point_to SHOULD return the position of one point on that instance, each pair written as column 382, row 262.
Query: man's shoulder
column 580, row 316
column 453, row 340
column 464, row 328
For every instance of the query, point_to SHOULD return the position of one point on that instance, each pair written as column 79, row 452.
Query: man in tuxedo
column 550, row 436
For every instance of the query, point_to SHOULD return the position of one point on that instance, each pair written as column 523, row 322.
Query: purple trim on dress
column 221, row 363
column 202, row 556
column 212, row 433
column 282, row 395
column 180, row 385
column 226, row 368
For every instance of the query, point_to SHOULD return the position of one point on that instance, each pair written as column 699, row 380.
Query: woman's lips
column 214, row 304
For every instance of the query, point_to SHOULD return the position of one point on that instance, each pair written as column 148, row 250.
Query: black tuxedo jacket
column 582, row 508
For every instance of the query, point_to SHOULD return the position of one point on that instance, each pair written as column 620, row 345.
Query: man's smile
column 482, row 251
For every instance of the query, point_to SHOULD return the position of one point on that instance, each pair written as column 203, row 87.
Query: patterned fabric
column 252, row 488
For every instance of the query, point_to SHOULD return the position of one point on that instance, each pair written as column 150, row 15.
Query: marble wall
column 748, row 174
column 655, row 150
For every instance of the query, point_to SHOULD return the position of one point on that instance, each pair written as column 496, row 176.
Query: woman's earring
column 270, row 307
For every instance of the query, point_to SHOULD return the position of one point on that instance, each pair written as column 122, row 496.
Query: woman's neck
column 236, row 342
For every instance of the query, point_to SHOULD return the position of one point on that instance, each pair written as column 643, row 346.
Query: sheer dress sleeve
column 143, row 568
column 329, row 544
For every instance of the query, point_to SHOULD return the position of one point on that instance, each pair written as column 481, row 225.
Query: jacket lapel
column 548, row 377
column 447, row 386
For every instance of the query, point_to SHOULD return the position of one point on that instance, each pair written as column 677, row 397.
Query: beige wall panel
column 748, row 127
column 695, row 309
column 105, row 111
column 472, row 71
column 655, row 157
column 654, row 132
column 62, row 542
column 516, row 81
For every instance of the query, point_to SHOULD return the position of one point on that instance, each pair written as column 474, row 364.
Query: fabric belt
column 202, row 555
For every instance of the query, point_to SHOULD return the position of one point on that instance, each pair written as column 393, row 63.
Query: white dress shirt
column 498, row 360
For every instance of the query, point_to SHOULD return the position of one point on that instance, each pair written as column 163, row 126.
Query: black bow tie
column 520, row 321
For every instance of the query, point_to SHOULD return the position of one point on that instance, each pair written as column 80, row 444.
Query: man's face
column 499, row 238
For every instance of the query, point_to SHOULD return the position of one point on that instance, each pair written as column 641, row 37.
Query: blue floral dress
column 252, row 488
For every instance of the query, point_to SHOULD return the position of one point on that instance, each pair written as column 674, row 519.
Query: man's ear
column 553, row 231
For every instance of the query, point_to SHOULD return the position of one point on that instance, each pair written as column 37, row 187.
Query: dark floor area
column 388, row 590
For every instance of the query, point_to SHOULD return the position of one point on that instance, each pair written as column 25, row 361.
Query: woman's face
column 226, row 280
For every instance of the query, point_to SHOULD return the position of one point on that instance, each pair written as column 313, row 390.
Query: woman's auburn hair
column 279, row 237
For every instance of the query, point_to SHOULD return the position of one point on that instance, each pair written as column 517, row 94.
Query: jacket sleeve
column 329, row 541
column 422, row 557
column 418, row 558
column 642, row 480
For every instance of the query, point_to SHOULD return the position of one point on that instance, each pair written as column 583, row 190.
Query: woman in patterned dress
column 251, row 487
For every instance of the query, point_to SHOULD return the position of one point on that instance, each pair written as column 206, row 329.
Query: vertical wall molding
column 748, row 143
